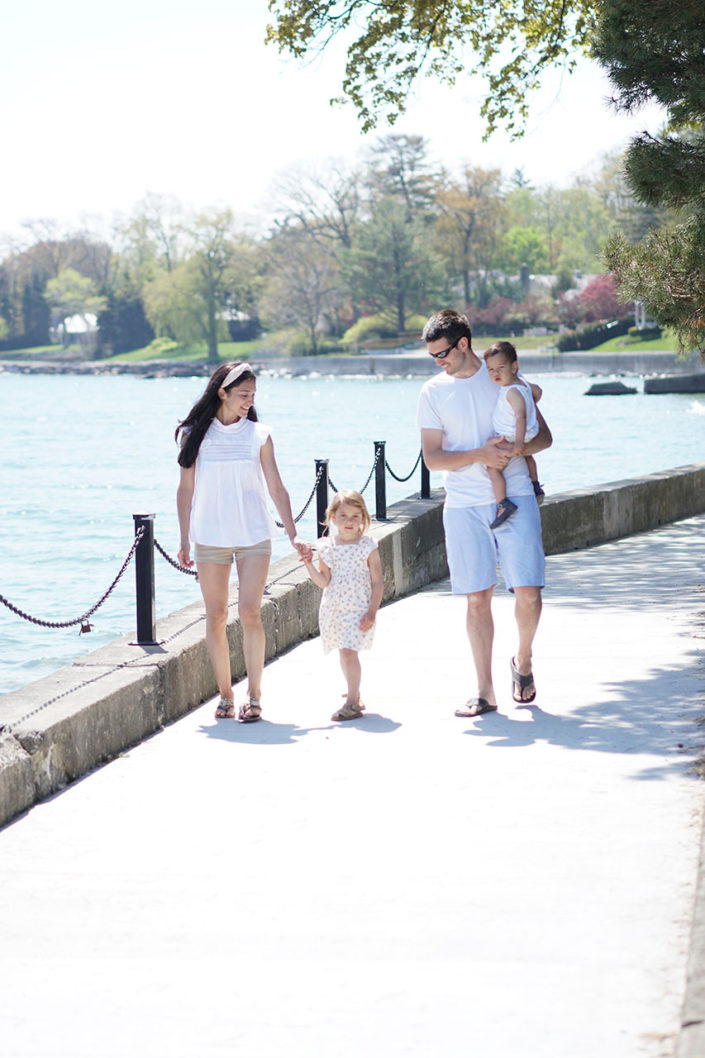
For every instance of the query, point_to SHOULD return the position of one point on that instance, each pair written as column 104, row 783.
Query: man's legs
column 524, row 567
column 527, row 611
column 480, row 627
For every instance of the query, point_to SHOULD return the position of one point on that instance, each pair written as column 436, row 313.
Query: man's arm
column 436, row 458
column 543, row 439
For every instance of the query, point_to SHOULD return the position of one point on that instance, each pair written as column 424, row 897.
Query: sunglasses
column 443, row 353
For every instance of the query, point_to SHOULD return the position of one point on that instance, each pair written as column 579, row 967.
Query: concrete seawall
column 61, row 727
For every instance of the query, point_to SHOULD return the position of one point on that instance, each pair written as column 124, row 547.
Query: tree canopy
column 658, row 53
column 391, row 44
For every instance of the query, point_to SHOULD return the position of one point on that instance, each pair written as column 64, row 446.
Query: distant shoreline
column 372, row 363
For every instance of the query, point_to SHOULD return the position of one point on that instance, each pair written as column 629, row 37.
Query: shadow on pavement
column 267, row 733
column 635, row 717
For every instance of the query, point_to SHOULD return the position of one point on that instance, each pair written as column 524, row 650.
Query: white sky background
column 101, row 104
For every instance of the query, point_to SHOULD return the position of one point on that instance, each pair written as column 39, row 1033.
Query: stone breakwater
column 61, row 727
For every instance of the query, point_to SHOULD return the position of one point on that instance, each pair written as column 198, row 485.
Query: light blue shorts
column 473, row 549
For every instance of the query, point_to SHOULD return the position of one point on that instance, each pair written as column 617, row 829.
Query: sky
column 104, row 103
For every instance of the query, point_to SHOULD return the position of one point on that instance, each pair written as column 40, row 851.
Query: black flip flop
column 476, row 707
column 522, row 682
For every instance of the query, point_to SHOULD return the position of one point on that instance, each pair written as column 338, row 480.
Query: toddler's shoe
column 505, row 509
column 538, row 492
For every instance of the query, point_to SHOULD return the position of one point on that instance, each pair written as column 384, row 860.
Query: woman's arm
column 280, row 497
column 184, row 498
column 436, row 458
column 375, row 566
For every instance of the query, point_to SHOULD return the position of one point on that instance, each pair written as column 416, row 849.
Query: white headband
column 234, row 373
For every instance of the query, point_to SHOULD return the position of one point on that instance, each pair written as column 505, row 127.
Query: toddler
column 514, row 419
column 350, row 573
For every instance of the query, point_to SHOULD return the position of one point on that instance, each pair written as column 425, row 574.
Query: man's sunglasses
column 443, row 353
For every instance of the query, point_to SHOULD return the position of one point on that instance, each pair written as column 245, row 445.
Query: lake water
column 81, row 454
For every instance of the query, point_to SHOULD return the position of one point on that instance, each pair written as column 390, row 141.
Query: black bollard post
column 321, row 495
column 380, row 482
column 144, row 581
column 425, row 481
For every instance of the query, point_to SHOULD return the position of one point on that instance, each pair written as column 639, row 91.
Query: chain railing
column 83, row 619
column 144, row 545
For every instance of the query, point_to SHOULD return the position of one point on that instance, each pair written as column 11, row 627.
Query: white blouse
column 229, row 507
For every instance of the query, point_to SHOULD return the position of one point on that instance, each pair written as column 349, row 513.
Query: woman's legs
column 213, row 579
column 252, row 573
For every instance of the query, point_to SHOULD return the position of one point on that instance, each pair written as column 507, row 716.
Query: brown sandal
column 349, row 711
column 250, row 711
column 225, row 709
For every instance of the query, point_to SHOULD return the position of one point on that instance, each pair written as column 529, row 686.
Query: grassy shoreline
column 270, row 346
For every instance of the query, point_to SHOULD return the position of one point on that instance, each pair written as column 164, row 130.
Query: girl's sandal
column 225, row 709
column 362, row 704
column 250, row 711
column 349, row 711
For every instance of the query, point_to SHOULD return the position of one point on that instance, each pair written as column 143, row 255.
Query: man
column 455, row 418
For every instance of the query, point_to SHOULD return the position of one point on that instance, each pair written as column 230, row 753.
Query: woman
column 226, row 457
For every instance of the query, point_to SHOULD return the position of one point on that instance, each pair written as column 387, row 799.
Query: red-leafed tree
column 600, row 300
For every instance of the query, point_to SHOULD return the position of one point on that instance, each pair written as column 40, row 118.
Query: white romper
column 504, row 420
column 347, row 597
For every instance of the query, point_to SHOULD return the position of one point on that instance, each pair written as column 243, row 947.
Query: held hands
column 304, row 549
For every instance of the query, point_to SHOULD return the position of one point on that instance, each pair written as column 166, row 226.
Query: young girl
column 350, row 573
column 514, row 419
column 226, row 458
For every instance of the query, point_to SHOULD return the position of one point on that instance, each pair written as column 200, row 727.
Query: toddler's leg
column 534, row 475
column 499, row 486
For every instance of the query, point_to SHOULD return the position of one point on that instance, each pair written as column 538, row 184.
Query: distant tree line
column 392, row 237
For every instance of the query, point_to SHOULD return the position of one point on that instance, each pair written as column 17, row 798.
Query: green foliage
column 393, row 44
column 645, row 334
column 369, row 327
column 521, row 246
column 666, row 270
column 593, row 334
column 164, row 347
column 300, row 344
column 657, row 53
column 392, row 267
column 666, row 343
column 73, row 294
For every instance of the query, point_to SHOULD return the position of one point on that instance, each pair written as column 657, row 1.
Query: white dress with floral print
column 347, row 597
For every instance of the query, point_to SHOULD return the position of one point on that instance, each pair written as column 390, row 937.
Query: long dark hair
column 193, row 428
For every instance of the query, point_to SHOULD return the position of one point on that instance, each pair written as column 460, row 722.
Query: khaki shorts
column 223, row 556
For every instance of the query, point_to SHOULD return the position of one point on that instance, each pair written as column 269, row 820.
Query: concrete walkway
column 517, row 886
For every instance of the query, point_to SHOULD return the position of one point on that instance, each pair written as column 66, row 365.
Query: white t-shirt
column 462, row 408
column 229, row 507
